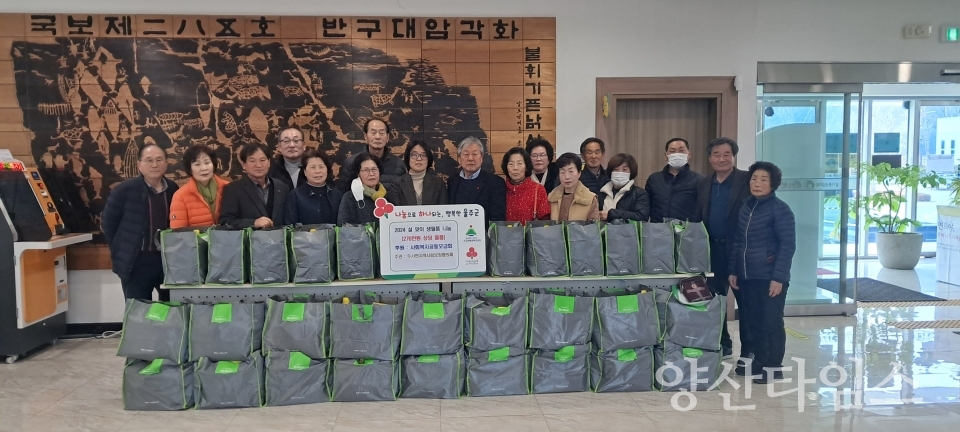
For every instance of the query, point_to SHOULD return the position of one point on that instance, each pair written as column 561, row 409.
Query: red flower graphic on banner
column 472, row 253
column 383, row 209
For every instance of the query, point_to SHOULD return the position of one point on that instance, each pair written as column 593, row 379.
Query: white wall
column 641, row 38
column 95, row 297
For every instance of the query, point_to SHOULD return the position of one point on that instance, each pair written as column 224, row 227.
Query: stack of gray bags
column 295, row 346
column 689, row 353
column 157, row 375
column 225, row 344
column 432, row 362
column 364, row 348
column 626, row 332
column 495, row 335
column 560, row 331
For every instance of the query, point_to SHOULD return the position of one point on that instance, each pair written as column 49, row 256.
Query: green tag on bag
column 563, row 304
column 564, row 354
column 692, row 352
column 494, row 294
column 626, row 355
column 227, row 367
column 363, row 362
column 158, row 312
column 498, row 354
column 293, row 312
column 433, row 310
column 298, row 361
column 501, row 311
column 222, row 313
column 628, row 304
column 429, row 358
column 153, row 368
column 362, row 315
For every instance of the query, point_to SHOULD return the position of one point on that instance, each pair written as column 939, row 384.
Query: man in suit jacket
column 255, row 200
column 719, row 198
column 475, row 186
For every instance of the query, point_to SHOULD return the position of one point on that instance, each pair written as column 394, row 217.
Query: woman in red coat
column 197, row 202
column 526, row 199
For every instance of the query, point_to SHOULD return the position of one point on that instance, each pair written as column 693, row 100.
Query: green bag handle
column 361, row 313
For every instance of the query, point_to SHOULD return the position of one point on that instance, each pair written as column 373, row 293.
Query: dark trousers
column 147, row 275
column 763, row 315
column 719, row 285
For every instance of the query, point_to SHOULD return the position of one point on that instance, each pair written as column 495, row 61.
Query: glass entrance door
column 938, row 150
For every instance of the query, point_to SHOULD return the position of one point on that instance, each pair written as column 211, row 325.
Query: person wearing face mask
column 197, row 202
column 421, row 185
column 314, row 201
column 673, row 191
column 526, row 198
column 621, row 198
column 572, row 200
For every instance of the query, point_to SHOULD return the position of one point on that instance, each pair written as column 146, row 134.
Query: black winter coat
column 633, row 205
column 305, row 206
column 279, row 171
column 765, row 240
column 125, row 220
column 673, row 196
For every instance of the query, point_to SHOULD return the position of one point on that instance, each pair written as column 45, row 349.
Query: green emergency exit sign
column 950, row 34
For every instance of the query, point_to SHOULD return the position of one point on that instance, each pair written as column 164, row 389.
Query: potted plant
column 955, row 191
column 896, row 248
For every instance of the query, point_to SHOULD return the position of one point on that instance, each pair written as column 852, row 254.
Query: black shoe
column 727, row 352
column 769, row 376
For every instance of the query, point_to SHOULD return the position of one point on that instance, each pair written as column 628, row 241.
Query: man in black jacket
column 135, row 211
column 254, row 200
column 476, row 186
column 720, row 197
column 593, row 175
column 286, row 167
column 673, row 191
column 377, row 134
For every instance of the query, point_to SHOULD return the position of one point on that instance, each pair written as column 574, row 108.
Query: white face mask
column 619, row 178
column 677, row 160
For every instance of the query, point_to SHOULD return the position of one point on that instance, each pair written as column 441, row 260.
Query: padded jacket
column 125, row 221
column 189, row 209
column 765, row 240
column 633, row 205
column 304, row 206
column 393, row 167
column 674, row 196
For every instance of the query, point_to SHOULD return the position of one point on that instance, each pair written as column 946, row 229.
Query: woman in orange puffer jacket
column 197, row 202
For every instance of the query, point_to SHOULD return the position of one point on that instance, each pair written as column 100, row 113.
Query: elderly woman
column 421, row 185
column 620, row 198
column 314, row 200
column 358, row 204
column 526, row 199
column 544, row 170
column 197, row 203
column 473, row 185
column 760, row 260
column 572, row 200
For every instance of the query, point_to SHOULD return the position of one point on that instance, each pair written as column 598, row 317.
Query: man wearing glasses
column 377, row 134
column 286, row 167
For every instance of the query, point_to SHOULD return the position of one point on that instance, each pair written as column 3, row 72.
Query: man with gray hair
column 476, row 186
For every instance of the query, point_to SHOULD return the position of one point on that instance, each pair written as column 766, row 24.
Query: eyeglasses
column 287, row 142
column 418, row 156
column 369, row 171
column 538, row 156
column 153, row 161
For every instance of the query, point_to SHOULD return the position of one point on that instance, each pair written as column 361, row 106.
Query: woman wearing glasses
column 421, row 185
column 358, row 203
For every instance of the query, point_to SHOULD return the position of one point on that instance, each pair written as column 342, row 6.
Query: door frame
column 722, row 89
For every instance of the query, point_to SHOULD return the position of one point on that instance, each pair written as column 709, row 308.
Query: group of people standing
column 752, row 232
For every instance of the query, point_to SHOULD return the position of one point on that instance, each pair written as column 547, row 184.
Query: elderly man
column 377, row 134
column 135, row 211
column 286, row 167
column 476, row 186
column 593, row 175
column 254, row 200
column 673, row 190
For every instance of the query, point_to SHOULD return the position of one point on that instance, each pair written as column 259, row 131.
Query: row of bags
column 301, row 254
column 377, row 327
column 292, row 378
column 588, row 248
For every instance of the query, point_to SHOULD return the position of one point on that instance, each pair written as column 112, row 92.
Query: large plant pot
column 900, row 251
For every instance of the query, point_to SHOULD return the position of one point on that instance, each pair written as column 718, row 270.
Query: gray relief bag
column 546, row 249
column 268, row 256
column 297, row 323
column 501, row 372
column 559, row 318
column 563, row 370
column 432, row 323
column 434, row 376
column 623, row 370
column 155, row 330
column 495, row 320
column 184, row 253
column 678, row 368
column 656, row 244
column 622, row 243
column 585, row 247
column 158, row 385
column 695, row 325
column 314, row 253
column 626, row 318
column 292, row 378
column 227, row 255
column 225, row 331
column 368, row 327
column 356, row 252
column 505, row 244
column 693, row 247
column 360, row 380
column 230, row 384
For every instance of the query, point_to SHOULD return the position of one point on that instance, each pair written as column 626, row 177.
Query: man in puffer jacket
column 762, row 253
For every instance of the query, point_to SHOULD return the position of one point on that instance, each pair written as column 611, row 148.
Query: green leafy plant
column 882, row 208
column 955, row 191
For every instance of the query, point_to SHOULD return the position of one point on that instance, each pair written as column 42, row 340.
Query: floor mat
column 872, row 290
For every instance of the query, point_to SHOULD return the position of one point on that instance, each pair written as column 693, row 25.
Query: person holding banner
column 526, row 198
column 421, row 185
column 358, row 204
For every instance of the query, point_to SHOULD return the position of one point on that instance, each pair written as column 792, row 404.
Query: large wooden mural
column 83, row 93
